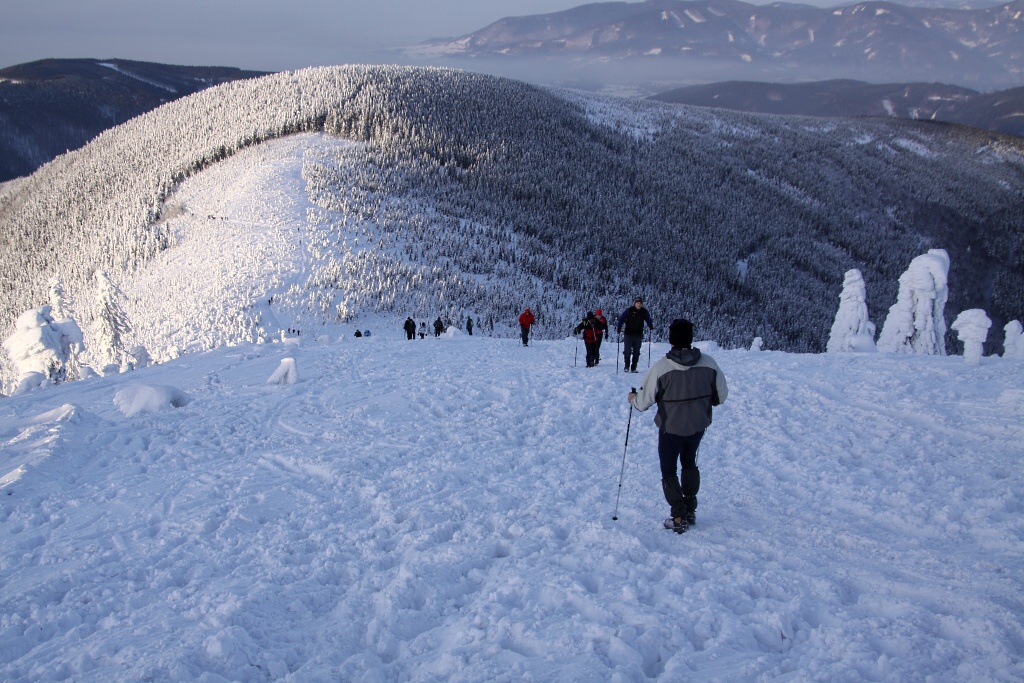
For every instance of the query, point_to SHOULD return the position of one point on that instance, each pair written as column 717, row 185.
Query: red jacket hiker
column 525, row 320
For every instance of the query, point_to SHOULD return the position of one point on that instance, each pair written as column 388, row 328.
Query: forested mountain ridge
column 53, row 105
column 470, row 192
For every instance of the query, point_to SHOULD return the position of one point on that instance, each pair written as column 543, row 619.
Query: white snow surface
column 441, row 510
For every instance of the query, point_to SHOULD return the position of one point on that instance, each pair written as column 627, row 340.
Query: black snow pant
column 631, row 346
column 591, row 354
column 680, row 488
column 525, row 329
column 597, row 350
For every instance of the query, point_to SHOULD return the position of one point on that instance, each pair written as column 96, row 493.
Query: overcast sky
column 268, row 35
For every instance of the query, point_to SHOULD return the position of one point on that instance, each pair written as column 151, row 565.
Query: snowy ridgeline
column 448, row 193
column 47, row 348
column 441, row 510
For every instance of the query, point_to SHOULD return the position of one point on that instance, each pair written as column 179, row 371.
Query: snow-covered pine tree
column 1013, row 346
column 110, row 323
column 59, row 307
column 851, row 330
column 43, row 350
column 916, row 322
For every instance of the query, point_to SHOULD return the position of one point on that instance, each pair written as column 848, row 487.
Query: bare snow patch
column 915, row 147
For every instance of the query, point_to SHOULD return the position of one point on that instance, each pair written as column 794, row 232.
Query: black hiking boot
column 676, row 524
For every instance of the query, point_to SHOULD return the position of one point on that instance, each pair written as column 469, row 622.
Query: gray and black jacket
column 685, row 384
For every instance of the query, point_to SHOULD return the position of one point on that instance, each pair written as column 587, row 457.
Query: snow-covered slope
column 435, row 192
column 441, row 510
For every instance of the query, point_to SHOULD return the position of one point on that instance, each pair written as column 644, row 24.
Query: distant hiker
column 410, row 328
column 358, row 334
column 525, row 321
column 469, row 326
column 633, row 318
column 438, row 327
column 685, row 384
column 423, row 330
column 591, row 329
column 602, row 333
column 367, row 333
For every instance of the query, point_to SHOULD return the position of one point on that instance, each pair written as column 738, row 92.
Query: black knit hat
column 680, row 333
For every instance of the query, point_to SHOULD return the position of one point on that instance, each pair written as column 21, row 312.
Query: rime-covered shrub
column 971, row 327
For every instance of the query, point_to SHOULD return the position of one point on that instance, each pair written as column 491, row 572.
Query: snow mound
column 143, row 398
column 286, row 373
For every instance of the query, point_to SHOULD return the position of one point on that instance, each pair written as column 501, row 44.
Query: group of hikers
column 685, row 385
column 594, row 326
column 630, row 327
column 439, row 328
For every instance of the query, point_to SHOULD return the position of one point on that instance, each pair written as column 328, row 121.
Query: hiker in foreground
column 685, row 384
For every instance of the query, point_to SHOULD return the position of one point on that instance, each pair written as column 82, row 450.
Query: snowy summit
column 441, row 509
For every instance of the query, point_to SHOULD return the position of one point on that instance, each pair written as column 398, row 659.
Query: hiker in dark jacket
column 410, row 328
column 633, row 319
column 685, row 384
column 438, row 327
column 469, row 326
column 590, row 328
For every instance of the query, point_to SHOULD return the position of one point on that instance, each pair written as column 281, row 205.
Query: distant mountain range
column 1001, row 111
column 55, row 105
column 702, row 41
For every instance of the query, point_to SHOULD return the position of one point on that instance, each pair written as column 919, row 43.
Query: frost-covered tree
column 1013, row 346
column 60, row 308
column 972, row 329
column 916, row 322
column 43, row 350
column 110, row 323
column 851, row 330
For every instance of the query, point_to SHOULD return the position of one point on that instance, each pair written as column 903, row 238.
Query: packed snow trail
column 441, row 510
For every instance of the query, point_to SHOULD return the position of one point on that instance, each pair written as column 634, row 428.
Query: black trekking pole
column 615, row 515
column 577, row 355
column 618, row 338
column 649, row 335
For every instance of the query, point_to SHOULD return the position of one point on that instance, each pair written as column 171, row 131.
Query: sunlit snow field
column 441, row 510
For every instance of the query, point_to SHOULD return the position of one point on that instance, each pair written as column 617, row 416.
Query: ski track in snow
column 441, row 510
